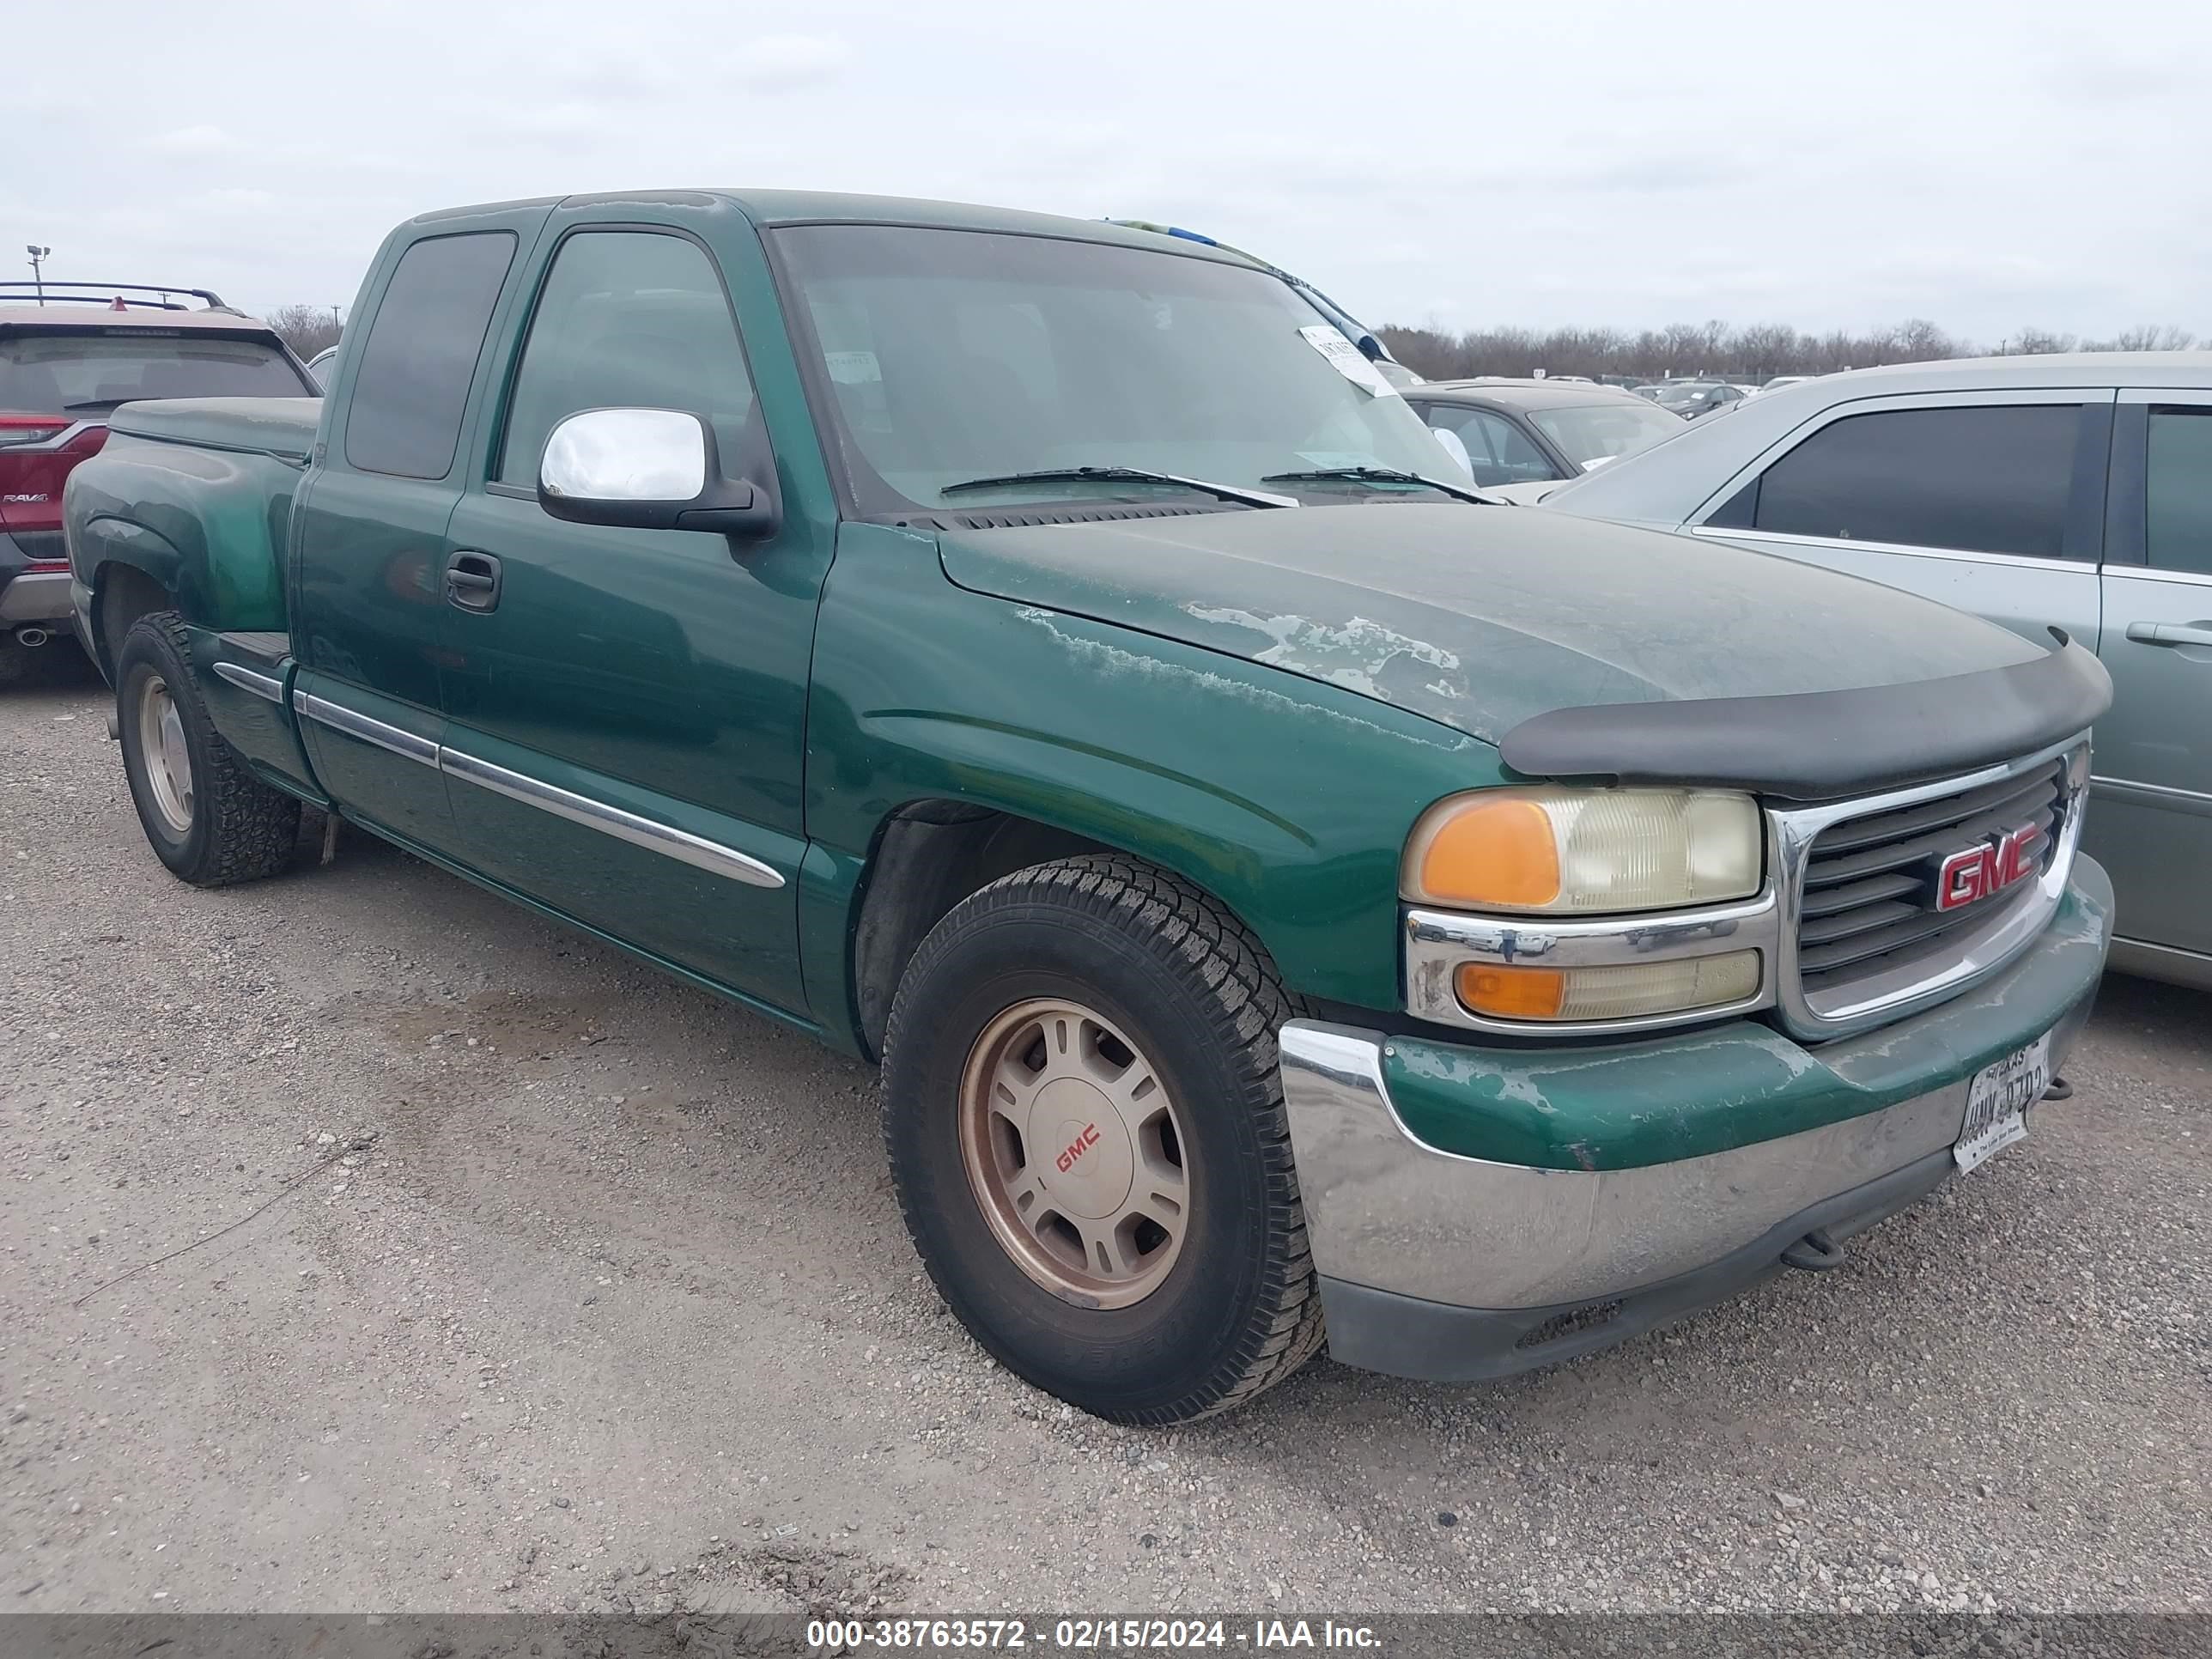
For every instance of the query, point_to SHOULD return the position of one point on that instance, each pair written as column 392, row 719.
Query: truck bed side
column 188, row 508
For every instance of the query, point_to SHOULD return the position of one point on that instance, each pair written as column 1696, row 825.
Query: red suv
column 69, row 352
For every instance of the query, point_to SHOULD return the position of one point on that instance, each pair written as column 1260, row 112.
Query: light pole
column 38, row 278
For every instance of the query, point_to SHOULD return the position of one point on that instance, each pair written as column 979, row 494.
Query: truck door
column 2151, row 820
column 627, row 707
column 368, row 542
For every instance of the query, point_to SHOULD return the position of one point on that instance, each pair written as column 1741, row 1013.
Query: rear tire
column 1147, row 1262
column 15, row 662
column 207, row 816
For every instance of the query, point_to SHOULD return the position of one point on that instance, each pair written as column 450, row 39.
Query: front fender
column 1287, row 799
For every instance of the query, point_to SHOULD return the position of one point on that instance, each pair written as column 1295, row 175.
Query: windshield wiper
column 1122, row 475
column 1381, row 474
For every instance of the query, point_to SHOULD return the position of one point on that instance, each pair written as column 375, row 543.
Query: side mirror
column 649, row 469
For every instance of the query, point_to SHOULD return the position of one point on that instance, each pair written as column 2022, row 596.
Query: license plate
column 1997, row 1102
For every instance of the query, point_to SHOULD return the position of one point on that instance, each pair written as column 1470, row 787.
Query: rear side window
column 90, row 372
column 2178, row 508
column 628, row 319
column 1497, row 452
column 413, row 381
column 1993, row 478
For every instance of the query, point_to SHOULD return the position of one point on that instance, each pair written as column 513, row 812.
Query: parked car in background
column 69, row 353
column 1692, row 398
column 1523, row 432
column 323, row 365
column 2070, row 492
column 1290, row 898
column 1781, row 380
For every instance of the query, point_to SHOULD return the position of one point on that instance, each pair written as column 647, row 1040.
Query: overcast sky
column 1544, row 161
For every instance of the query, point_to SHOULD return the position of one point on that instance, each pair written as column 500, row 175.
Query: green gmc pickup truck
column 1291, row 898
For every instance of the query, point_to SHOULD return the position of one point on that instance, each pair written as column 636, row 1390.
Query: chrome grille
column 1868, row 900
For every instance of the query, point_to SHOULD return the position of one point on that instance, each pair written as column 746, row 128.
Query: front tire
column 207, row 816
column 1086, row 1130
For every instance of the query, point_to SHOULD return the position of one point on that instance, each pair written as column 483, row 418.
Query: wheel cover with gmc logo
column 1076, row 1152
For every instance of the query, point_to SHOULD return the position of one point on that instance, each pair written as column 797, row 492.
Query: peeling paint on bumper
column 1672, row 1171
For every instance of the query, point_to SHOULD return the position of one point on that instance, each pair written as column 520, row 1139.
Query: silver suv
column 2071, row 492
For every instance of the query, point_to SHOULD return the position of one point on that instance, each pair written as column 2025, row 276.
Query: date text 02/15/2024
column 837, row 1636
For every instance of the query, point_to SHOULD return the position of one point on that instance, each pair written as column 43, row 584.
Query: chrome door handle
column 2147, row 633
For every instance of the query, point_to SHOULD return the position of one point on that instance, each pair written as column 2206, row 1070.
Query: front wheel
column 1086, row 1130
column 208, row 818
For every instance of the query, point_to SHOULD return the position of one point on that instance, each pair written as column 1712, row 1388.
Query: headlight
column 1584, row 850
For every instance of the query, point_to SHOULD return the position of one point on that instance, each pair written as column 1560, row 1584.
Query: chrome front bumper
column 1439, row 1265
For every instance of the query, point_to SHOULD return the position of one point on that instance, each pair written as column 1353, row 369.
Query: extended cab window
column 1989, row 478
column 628, row 319
column 413, row 382
column 2177, row 510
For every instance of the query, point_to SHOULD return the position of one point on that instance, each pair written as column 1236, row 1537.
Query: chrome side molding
column 261, row 685
column 679, row 844
column 391, row 738
column 638, row 830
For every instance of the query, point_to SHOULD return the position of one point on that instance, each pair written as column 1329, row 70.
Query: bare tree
column 1757, row 352
column 2035, row 343
column 306, row 328
column 2150, row 336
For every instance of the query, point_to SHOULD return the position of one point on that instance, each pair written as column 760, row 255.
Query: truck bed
column 281, row 427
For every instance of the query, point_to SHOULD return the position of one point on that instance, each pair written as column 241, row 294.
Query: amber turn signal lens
column 1511, row 993
column 1504, row 849
column 1626, row 991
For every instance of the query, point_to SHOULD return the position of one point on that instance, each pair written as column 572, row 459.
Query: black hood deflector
column 1823, row 745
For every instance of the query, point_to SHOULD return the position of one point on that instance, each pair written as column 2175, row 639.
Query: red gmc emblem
column 1076, row 1148
column 1974, row 873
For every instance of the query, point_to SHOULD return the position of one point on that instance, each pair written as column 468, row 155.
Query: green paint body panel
column 210, row 524
column 1263, row 702
column 1480, row 620
column 1231, row 773
column 1725, row 1086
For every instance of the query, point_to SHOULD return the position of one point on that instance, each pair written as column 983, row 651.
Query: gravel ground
column 596, row 1296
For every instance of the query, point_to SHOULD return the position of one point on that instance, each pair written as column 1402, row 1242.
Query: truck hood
column 1481, row 617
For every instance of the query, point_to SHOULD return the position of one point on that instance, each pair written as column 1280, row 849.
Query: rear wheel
column 15, row 661
column 207, row 816
column 1086, row 1130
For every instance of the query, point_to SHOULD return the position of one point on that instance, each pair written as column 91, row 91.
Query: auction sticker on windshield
column 1997, row 1102
column 1348, row 359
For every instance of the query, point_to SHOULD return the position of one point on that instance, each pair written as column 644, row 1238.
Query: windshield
column 1598, row 432
column 52, row 371
column 962, row 355
column 1670, row 396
